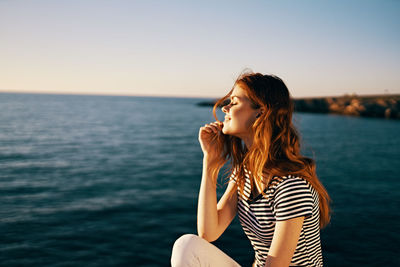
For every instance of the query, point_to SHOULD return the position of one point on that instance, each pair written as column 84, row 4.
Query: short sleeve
column 293, row 198
column 233, row 177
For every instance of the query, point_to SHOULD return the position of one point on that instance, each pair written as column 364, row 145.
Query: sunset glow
column 187, row 48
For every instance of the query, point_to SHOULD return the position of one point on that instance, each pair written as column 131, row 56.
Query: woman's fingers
column 208, row 129
column 215, row 126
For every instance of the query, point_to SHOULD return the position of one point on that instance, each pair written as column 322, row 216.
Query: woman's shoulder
column 279, row 183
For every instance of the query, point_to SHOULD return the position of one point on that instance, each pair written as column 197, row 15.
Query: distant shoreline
column 376, row 106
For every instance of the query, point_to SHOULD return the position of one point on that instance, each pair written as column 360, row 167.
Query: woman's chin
column 225, row 131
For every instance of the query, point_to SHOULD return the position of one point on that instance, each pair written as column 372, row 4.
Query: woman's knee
column 183, row 248
column 185, row 241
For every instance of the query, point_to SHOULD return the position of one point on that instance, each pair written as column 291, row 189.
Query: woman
column 274, row 189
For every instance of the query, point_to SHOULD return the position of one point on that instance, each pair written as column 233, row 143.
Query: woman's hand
column 211, row 141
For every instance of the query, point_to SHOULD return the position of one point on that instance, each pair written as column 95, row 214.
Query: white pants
column 192, row 250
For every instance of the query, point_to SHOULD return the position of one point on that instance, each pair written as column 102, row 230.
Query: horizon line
column 99, row 94
column 178, row 96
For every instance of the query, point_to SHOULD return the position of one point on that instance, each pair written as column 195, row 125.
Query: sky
column 198, row 48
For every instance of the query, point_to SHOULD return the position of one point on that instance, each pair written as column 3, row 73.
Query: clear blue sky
column 197, row 48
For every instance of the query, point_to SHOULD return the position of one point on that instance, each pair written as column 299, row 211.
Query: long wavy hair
column 276, row 144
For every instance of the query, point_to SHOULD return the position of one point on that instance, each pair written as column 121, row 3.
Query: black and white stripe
column 286, row 198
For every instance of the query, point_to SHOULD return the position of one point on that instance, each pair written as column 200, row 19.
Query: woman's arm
column 284, row 242
column 213, row 218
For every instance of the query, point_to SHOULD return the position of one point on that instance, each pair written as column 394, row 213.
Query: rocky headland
column 378, row 106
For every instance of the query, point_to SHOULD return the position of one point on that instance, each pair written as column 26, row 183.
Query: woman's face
column 240, row 116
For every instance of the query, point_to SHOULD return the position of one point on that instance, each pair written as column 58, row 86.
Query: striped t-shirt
column 288, row 197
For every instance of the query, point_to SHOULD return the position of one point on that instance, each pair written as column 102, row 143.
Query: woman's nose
column 224, row 109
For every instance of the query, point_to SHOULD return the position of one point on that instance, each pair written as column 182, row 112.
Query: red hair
column 276, row 144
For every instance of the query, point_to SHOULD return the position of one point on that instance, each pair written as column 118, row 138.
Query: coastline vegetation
column 378, row 106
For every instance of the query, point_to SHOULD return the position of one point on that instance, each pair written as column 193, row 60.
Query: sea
column 113, row 181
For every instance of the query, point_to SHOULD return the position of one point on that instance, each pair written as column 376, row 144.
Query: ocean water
column 113, row 181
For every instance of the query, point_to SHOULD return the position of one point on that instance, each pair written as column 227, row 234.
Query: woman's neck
column 248, row 141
